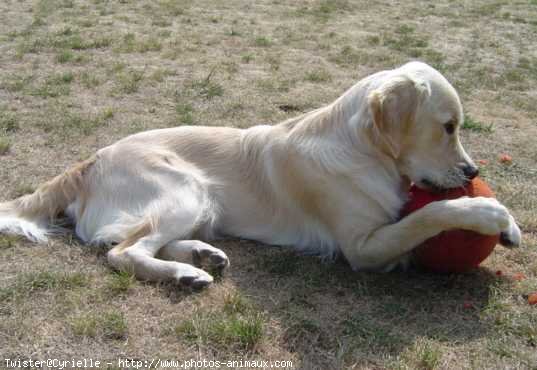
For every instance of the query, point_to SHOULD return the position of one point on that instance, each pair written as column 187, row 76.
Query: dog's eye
column 450, row 127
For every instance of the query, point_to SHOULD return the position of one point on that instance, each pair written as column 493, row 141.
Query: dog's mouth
column 434, row 187
column 431, row 186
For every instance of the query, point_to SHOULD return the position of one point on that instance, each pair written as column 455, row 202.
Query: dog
column 329, row 182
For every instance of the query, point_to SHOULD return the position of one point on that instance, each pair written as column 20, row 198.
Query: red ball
column 453, row 250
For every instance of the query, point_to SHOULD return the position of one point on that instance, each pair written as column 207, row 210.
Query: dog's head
column 416, row 116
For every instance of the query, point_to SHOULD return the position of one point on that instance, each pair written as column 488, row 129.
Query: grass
column 5, row 145
column 207, row 87
column 128, row 81
column 185, row 113
column 473, row 125
column 131, row 44
column 237, row 325
column 64, row 123
column 405, row 39
column 120, row 282
column 77, row 76
column 16, row 83
column 425, row 355
column 22, row 189
column 54, row 86
column 89, row 81
column 110, row 325
column 34, row 282
column 323, row 10
column 8, row 122
column 247, row 58
column 318, row 75
column 348, row 56
column 64, row 56
column 9, row 241
column 214, row 329
column 262, row 41
column 161, row 74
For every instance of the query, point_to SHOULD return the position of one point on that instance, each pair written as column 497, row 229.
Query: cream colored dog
column 330, row 181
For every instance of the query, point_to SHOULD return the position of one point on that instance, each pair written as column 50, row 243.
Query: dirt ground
column 78, row 75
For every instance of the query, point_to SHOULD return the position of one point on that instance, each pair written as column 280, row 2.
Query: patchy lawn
column 78, row 75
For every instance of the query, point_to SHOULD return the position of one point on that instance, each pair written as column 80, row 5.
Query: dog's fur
column 330, row 181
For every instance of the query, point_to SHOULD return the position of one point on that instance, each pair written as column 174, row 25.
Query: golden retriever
column 331, row 181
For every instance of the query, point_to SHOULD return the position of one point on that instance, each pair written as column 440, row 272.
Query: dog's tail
column 32, row 215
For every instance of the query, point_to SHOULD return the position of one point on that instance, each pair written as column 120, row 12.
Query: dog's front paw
column 511, row 237
column 486, row 216
column 483, row 215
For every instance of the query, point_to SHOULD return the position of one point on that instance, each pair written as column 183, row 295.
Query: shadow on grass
column 333, row 316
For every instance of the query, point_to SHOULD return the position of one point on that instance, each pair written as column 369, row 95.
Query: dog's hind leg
column 136, row 253
column 195, row 252
column 139, row 259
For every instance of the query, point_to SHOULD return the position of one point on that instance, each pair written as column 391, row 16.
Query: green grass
column 326, row 7
column 161, row 74
column 318, row 75
column 185, row 111
column 64, row 56
column 373, row 40
column 89, row 80
column 323, row 10
column 349, row 56
column 29, row 283
column 5, row 145
column 472, row 125
column 108, row 325
column 262, row 41
column 243, row 332
column 9, row 241
column 16, row 83
column 247, row 58
column 129, row 81
column 76, row 41
column 114, row 325
column 65, row 123
column 237, row 303
column 207, row 87
column 85, row 325
column 63, row 43
column 425, row 354
column 131, row 44
column 54, row 86
column 405, row 39
column 120, row 282
column 8, row 122
column 238, row 325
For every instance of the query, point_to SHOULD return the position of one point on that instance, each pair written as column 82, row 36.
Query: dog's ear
column 393, row 109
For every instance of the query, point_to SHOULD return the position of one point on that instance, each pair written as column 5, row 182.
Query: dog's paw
column 194, row 278
column 212, row 257
column 483, row 215
column 511, row 237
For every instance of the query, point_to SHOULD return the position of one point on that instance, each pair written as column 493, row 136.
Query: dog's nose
column 470, row 171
